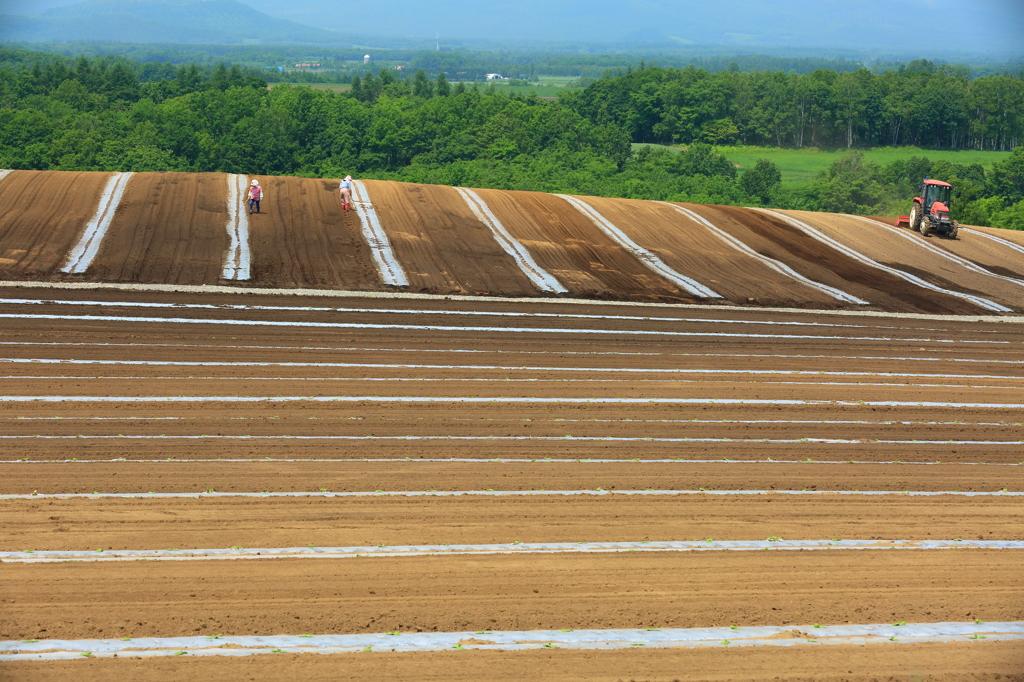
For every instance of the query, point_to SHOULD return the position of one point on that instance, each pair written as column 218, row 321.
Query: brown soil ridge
column 42, row 216
column 84, row 524
column 942, row 662
column 508, row 592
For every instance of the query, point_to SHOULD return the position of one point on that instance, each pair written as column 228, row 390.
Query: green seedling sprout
column 126, row 639
column 393, row 633
column 893, row 639
column 457, row 646
column 217, row 636
column 818, row 626
column 734, row 627
column 567, row 630
column 305, row 635
column 902, row 622
column 87, row 654
column 774, row 538
column 638, row 644
column 323, row 490
column 277, row 651
column 179, row 653
column 483, row 632
column 978, row 621
column 368, row 648
column 549, row 645
column 30, row 641
column 725, row 642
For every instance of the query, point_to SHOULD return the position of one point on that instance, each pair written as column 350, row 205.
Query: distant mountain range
column 924, row 28
column 165, row 21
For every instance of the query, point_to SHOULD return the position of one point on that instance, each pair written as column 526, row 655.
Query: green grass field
column 317, row 86
column 799, row 166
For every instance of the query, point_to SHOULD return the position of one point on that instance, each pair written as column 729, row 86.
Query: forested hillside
column 122, row 115
column 920, row 104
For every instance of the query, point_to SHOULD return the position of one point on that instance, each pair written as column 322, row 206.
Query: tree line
column 102, row 115
column 921, row 104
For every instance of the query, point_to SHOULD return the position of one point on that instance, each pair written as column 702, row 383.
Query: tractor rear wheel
column 915, row 218
column 926, row 228
column 954, row 229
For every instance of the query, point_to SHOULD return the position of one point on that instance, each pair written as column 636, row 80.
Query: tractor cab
column 930, row 211
column 935, row 191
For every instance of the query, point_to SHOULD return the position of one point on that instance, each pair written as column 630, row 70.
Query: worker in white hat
column 255, row 194
column 346, row 193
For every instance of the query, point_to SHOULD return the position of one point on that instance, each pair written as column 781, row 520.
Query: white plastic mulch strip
column 497, row 493
column 85, row 250
column 499, row 399
column 920, row 242
column 542, row 439
column 999, row 240
column 4, row 173
column 775, row 265
column 504, row 368
column 391, row 272
column 643, row 255
column 112, row 555
column 861, row 258
column 718, row 637
column 540, row 277
column 237, row 261
column 451, row 328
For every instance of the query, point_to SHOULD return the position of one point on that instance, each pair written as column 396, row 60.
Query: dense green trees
column 104, row 115
column 921, row 104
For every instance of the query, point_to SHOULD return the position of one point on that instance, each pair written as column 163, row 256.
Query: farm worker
column 346, row 193
column 255, row 194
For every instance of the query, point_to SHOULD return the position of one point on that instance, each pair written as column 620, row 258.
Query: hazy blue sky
column 902, row 25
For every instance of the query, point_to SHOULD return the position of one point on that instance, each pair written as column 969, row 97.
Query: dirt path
column 169, row 228
column 42, row 216
column 304, row 239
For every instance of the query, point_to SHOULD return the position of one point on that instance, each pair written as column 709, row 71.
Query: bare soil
column 42, row 216
column 302, row 238
column 168, row 229
column 950, row 662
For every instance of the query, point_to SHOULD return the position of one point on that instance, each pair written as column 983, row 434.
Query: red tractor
column 930, row 212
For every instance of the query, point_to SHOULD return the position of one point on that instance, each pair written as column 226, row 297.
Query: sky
column 960, row 26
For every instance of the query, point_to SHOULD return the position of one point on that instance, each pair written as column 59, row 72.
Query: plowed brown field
column 41, row 217
column 169, row 229
column 358, row 422
column 302, row 239
column 442, row 246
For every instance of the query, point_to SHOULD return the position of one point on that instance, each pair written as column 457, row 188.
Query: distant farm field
column 800, row 166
